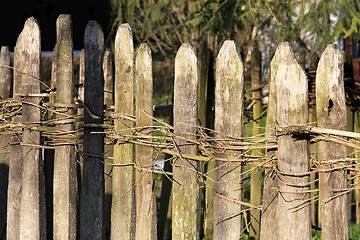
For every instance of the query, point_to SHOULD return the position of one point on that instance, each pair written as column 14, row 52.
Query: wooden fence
column 40, row 118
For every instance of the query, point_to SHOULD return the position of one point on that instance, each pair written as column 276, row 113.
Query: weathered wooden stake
column 269, row 230
column 16, row 163
column 32, row 209
column 108, row 101
column 293, row 211
column 145, row 198
column 229, row 93
column 64, row 161
column 357, row 179
column 331, row 113
column 186, row 200
column 123, row 200
column 5, row 72
column 5, row 139
column 92, row 190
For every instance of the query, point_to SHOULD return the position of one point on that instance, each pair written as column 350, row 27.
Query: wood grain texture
column 109, row 148
column 293, row 152
column 123, row 200
column 269, row 230
column 145, row 198
column 32, row 210
column 5, row 139
column 186, row 199
column 229, row 93
column 331, row 114
column 92, row 191
column 64, row 161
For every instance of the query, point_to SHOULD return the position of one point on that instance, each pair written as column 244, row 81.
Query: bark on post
column 145, row 198
column 255, row 181
column 186, row 200
column 123, row 202
column 64, row 161
column 293, row 152
column 108, row 101
column 229, row 93
column 32, row 210
column 331, row 113
column 92, row 191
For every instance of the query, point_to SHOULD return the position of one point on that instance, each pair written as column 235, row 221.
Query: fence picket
column 32, row 209
column 293, row 153
column 108, row 101
column 5, row 72
column 186, row 199
column 5, row 139
column 288, row 184
column 92, row 191
column 331, row 113
column 145, row 198
column 64, row 160
column 16, row 164
column 15, row 168
column 123, row 211
column 229, row 93
column 268, row 229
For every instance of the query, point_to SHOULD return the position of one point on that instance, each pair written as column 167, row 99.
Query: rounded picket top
column 143, row 56
column 229, row 56
column 186, row 77
column 124, row 44
column 331, row 114
column 186, row 198
column 229, row 108
column 292, row 87
column 229, row 89
column 185, row 60
column 93, row 34
column 330, row 93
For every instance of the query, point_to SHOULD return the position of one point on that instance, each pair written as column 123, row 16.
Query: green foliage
column 316, row 235
column 354, row 231
column 165, row 24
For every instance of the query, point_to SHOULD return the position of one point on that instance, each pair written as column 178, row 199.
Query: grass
column 354, row 232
